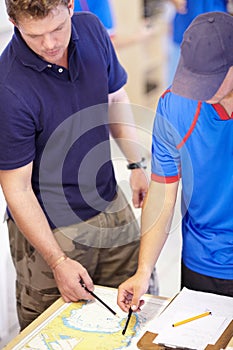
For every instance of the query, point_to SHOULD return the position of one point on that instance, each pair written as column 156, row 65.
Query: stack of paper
column 200, row 332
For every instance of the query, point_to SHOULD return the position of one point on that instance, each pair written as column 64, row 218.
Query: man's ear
column 12, row 21
column 71, row 7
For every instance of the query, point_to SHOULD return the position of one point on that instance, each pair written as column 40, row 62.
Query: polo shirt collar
column 30, row 59
column 74, row 55
column 25, row 54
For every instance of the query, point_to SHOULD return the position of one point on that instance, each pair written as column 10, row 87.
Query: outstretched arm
column 157, row 214
column 32, row 222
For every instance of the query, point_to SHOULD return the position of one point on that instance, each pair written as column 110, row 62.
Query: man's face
column 225, row 90
column 49, row 37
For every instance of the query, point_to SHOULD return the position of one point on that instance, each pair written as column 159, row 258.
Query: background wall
column 4, row 22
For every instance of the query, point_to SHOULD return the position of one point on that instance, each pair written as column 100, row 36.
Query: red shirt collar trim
column 222, row 112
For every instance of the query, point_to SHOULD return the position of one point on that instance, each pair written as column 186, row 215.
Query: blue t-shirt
column 194, row 141
column 100, row 8
column 193, row 9
column 58, row 119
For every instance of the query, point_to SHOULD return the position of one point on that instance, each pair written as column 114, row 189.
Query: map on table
column 88, row 325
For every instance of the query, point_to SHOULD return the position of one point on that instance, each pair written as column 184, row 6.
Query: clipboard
column 146, row 341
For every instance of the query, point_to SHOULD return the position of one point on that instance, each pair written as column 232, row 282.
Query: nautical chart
column 89, row 325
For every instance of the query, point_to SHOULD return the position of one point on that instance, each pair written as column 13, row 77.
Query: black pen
column 127, row 321
column 100, row 300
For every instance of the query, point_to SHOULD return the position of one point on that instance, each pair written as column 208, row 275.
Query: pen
column 191, row 319
column 100, row 300
column 127, row 321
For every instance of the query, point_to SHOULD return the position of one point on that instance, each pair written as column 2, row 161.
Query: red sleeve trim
column 165, row 92
column 192, row 126
column 165, row 179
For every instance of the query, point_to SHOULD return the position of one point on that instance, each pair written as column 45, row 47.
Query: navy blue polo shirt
column 58, row 119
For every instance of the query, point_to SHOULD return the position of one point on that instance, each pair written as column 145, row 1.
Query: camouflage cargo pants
column 106, row 245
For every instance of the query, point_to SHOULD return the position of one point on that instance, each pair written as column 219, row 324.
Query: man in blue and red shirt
column 193, row 142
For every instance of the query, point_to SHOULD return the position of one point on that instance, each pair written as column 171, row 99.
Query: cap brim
column 196, row 86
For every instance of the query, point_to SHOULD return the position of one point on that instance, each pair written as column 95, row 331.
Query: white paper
column 199, row 333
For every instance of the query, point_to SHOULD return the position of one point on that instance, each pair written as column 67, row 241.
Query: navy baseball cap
column 206, row 56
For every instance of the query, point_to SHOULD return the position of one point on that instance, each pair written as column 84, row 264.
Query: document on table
column 196, row 334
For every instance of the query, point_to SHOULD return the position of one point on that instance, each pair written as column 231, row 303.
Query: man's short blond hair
column 17, row 9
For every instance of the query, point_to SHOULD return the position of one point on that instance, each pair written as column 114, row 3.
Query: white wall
column 4, row 22
column 6, row 27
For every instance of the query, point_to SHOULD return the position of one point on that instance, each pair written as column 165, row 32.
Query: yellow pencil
column 191, row 319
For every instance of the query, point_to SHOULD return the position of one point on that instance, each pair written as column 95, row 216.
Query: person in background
column 101, row 8
column 61, row 96
column 184, row 13
column 192, row 142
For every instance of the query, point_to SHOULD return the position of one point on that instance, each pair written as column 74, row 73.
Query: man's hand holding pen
column 66, row 274
column 130, row 292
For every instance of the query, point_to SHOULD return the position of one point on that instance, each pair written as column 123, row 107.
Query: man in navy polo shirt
column 68, row 221
column 193, row 142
